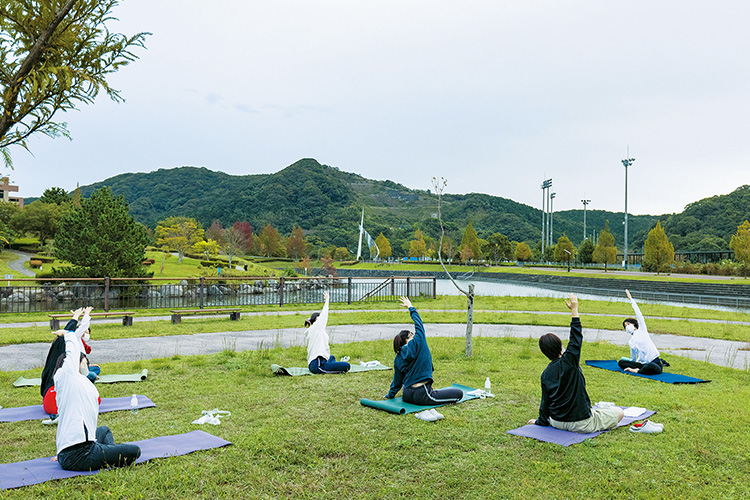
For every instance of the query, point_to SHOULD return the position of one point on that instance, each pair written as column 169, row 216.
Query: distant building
column 6, row 189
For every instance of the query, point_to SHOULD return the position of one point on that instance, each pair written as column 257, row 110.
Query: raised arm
column 323, row 318
column 637, row 311
column 576, row 331
column 73, row 346
column 84, row 324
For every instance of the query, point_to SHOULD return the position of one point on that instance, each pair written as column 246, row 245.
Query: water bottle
column 488, row 386
column 134, row 404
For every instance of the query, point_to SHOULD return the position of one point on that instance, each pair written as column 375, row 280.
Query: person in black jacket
column 565, row 402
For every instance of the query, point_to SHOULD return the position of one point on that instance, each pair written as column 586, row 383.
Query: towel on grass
column 549, row 434
column 296, row 371
column 40, row 470
column 669, row 378
column 397, row 405
column 103, row 379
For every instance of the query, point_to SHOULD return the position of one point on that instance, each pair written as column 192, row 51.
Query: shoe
column 50, row 421
column 436, row 414
column 345, row 359
column 647, row 427
column 426, row 415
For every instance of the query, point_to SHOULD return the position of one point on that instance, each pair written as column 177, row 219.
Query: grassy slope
column 309, row 437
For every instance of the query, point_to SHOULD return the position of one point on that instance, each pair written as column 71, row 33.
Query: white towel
column 634, row 411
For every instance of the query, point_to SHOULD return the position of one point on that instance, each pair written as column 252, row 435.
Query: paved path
column 17, row 265
column 28, row 356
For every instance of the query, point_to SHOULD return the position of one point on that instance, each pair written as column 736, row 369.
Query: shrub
column 148, row 262
column 44, row 258
column 35, row 263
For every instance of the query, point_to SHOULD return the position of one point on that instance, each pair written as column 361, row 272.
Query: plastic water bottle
column 134, row 404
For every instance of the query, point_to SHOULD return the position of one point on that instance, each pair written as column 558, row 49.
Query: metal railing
column 29, row 295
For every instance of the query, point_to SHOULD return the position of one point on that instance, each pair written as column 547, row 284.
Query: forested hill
column 327, row 203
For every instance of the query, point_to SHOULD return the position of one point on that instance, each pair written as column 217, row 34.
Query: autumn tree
column 55, row 55
column 269, row 240
column 523, row 252
column 417, row 246
column 234, row 243
column 563, row 244
column 658, row 252
column 740, row 243
column 179, row 233
column 448, row 248
column 216, row 232
column 469, row 240
column 605, row 251
column 247, row 234
column 383, row 245
column 295, row 244
column 209, row 248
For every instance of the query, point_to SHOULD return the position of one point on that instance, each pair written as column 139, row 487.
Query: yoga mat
column 549, row 434
column 40, row 470
column 103, row 379
column 669, row 378
column 397, row 405
column 36, row 412
column 296, row 371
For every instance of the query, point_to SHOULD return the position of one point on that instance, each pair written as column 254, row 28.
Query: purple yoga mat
column 566, row 438
column 42, row 469
column 36, row 412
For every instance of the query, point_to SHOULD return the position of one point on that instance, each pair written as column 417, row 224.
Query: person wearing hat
column 319, row 358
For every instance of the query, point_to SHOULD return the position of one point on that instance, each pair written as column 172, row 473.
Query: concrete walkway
column 29, row 356
column 17, row 265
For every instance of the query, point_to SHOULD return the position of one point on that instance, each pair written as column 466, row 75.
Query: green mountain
column 327, row 202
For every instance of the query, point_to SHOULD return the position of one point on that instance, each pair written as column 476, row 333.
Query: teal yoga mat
column 103, row 379
column 397, row 405
column 297, row 371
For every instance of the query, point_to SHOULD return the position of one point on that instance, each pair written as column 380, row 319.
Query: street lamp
column 585, row 202
column 551, row 218
column 626, row 163
column 545, row 187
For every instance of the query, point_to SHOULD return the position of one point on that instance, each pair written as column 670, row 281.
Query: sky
column 493, row 95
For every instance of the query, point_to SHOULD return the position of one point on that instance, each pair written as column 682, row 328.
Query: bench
column 127, row 318
column 234, row 313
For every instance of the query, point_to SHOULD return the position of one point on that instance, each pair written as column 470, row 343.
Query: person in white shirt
column 319, row 359
column 81, row 445
column 644, row 356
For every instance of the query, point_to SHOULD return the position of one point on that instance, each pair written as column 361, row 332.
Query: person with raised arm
column 644, row 356
column 319, row 358
column 565, row 403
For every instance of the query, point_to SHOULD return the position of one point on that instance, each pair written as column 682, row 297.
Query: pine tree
column 586, row 251
column 101, row 238
column 658, row 252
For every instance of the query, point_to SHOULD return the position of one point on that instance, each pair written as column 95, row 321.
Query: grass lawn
column 308, row 437
column 487, row 310
column 6, row 257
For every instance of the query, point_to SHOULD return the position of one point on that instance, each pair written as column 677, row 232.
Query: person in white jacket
column 644, row 356
column 81, row 445
column 319, row 359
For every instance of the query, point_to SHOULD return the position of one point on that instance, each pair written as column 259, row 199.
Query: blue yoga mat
column 40, row 470
column 397, row 405
column 36, row 412
column 566, row 438
column 669, row 378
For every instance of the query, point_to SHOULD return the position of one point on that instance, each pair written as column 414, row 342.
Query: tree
column 101, row 238
column 295, row 244
column 586, row 251
column 563, row 244
column 417, row 246
column 179, row 233
column 658, row 252
column 209, row 248
column 56, row 195
column 234, row 243
column 247, row 234
column 384, row 246
column 497, row 248
column 7, row 210
column 740, row 243
column 216, row 232
column 341, row 253
column 605, row 252
column 55, row 54
column 40, row 218
column 523, row 252
column 449, row 248
column 269, row 240
column 466, row 254
column 469, row 239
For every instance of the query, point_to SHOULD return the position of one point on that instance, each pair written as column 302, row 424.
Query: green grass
column 308, row 437
column 6, row 257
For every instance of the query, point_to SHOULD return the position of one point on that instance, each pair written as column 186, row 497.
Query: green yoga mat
column 397, row 405
column 103, row 379
column 296, row 371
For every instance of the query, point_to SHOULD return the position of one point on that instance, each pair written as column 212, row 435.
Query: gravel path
column 17, row 265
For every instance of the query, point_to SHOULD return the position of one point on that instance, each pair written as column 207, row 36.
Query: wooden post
column 469, row 320
column 434, row 287
column 200, row 290
column 393, row 287
column 408, row 286
column 106, row 294
column 281, row 291
column 349, row 294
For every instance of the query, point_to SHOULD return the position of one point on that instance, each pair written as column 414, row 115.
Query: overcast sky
column 494, row 95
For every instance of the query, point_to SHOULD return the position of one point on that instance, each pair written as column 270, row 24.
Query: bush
column 43, row 258
column 35, row 263
column 148, row 262
column 348, row 262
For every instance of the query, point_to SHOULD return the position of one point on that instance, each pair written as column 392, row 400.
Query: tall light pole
column 626, row 163
column 585, row 202
column 551, row 218
column 545, row 189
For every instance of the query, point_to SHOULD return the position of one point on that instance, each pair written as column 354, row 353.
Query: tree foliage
column 417, row 246
column 179, row 233
column 56, row 195
column 523, row 252
column 563, row 244
column 384, row 246
column 269, row 241
column 295, row 244
column 101, row 238
column 54, row 55
column 498, row 248
column 42, row 219
column 209, row 248
column 246, row 230
column 470, row 240
column 586, row 251
column 605, row 251
column 741, row 243
column 658, row 252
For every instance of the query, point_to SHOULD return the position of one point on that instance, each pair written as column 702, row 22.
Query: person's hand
column 59, row 333
column 532, row 421
column 87, row 310
column 53, row 459
column 77, row 313
column 572, row 302
column 326, row 296
column 627, row 292
column 406, row 302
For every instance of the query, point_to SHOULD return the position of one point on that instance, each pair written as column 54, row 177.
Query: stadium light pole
column 626, row 163
column 551, row 218
column 546, row 184
column 585, row 202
